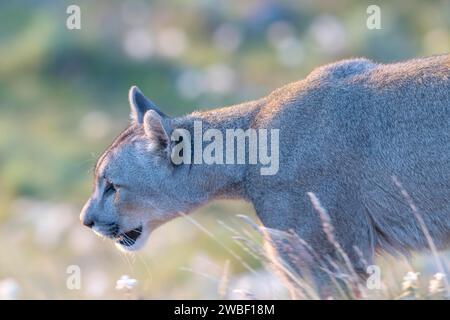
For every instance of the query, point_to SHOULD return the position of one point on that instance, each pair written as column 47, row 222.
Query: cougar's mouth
column 129, row 238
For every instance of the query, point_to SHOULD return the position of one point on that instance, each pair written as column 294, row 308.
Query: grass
column 210, row 254
column 347, row 283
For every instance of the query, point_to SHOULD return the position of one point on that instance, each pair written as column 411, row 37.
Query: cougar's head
column 136, row 184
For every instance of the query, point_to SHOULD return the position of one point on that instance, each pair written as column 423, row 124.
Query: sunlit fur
column 345, row 130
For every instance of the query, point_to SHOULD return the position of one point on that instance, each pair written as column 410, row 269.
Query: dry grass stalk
column 426, row 232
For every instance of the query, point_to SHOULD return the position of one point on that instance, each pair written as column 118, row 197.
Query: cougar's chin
column 132, row 240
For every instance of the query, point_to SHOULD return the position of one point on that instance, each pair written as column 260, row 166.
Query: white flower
column 244, row 294
column 172, row 42
column 138, row 44
column 437, row 283
column 228, row 37
column 411, row 276
column 9, row 289
column 220, row 78
column 125, row 282
column 329, row 33
column 410, row 280
column 439, row 276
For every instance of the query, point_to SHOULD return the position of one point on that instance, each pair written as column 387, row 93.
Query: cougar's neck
column 219, row 180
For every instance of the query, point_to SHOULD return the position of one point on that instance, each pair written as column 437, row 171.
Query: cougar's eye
column 110, row 188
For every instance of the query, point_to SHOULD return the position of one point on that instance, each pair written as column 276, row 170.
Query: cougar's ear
column 158, row 129
column 140, row 104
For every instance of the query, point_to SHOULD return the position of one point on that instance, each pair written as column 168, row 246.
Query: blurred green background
column 63, row 98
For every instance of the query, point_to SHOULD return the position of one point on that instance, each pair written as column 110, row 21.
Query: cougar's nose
column 88, row 223
column 85, row 217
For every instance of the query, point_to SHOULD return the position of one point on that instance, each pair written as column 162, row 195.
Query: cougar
column 344, row 131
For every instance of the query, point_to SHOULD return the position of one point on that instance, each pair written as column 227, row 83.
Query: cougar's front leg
column 310, row 246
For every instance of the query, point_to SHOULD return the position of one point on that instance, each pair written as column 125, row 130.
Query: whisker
column 147, row 267
column 218, row 241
